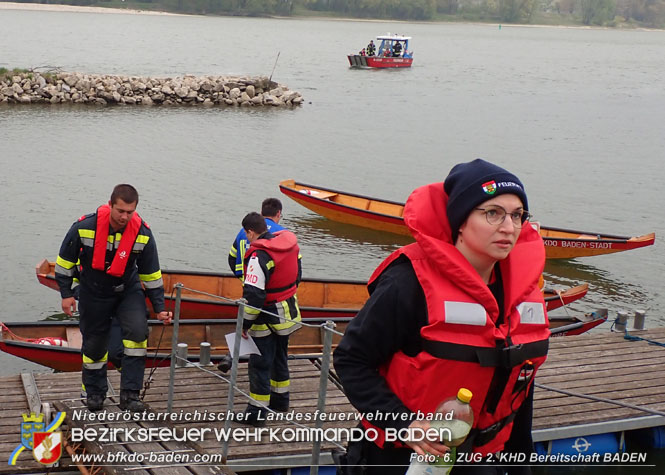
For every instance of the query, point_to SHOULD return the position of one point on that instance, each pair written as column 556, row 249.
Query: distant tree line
column 648, row 13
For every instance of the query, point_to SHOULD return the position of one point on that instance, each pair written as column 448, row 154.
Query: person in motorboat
column 397, row 49
column 371, row 48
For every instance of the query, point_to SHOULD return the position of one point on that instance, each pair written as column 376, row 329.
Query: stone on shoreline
column 78, row 88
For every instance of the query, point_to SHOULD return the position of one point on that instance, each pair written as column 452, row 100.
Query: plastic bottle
column 457, row 420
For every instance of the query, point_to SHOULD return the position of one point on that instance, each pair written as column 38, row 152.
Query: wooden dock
column 194, row 390
column 603, row 365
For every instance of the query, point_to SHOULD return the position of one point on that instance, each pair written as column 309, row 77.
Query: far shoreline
column 128, row 11
column 52, row 7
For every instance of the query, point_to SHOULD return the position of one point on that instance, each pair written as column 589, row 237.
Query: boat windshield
column 396, row 47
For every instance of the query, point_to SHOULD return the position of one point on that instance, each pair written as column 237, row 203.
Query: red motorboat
column 393, row 52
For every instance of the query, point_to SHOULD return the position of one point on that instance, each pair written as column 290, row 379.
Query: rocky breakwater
column 76, row 88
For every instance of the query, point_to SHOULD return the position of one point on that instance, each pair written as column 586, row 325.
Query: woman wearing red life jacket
column 460, row 307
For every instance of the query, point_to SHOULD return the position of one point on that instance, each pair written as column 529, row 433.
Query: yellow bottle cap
column 464, row 395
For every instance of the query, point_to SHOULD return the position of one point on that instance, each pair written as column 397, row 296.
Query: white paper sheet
column 247, row 347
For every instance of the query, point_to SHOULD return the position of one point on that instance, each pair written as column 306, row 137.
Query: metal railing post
column 174, row 343
column 323, row 386
column 234, row 374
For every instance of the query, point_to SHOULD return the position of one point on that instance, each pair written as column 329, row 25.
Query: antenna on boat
column 273, row 68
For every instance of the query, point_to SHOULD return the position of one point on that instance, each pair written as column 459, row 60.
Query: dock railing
column 328, row 329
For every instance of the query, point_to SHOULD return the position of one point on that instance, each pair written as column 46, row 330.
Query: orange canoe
column 318, row 298
column 383, row 215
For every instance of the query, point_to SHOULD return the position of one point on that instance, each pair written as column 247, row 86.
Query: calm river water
column 577, row 114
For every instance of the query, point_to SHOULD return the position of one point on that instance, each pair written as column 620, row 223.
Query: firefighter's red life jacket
column 121, row 257
column 283, row 250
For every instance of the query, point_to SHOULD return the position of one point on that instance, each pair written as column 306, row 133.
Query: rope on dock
column 601, row 399
column 629, row 337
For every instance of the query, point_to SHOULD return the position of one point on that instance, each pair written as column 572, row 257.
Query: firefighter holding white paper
column 272, row 273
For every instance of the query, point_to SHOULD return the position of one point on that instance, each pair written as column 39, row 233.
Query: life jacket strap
column 504, row 357
column 277, row 290
column 480, row 437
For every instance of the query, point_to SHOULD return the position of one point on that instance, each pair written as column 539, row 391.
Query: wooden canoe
column 57, row 344
column 576, row 324
column 383, row 215
column 39, row 341
column 318, row 298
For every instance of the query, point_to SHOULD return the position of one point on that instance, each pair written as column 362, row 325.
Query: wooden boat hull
column 576, row 325
column 558, row 298
column 359, row 61
column 26, row 340
column 13, row 338
column 568, row 244
column 383, row 215
column 318, row 298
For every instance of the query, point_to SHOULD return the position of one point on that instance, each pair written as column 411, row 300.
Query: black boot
column 279, row 402
column 253, row 416
column 225, row 364
column 95, row 402
column 129, row 401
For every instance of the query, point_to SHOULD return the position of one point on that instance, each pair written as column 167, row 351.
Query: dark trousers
column 116, row 349
column 269, row 372
column 129, row 308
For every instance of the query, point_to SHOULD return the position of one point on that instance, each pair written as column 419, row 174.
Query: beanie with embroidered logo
column 472, row 183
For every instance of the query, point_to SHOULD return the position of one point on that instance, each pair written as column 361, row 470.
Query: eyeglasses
column 497, row 215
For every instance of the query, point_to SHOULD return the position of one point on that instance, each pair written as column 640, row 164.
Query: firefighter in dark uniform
column 397, row 49
column 272, row 273
column 371, row 48
column 271, row 210
column 116, row 253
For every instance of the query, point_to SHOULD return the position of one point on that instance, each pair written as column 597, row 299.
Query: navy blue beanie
column 472, row 183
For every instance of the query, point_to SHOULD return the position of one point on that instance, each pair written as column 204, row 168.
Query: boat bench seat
column 74, row 338
column 324, row 195
column 386, row 208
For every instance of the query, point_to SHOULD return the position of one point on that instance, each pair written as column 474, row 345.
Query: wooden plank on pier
column 63, row 389
column 31, row 393
column 606, row 366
